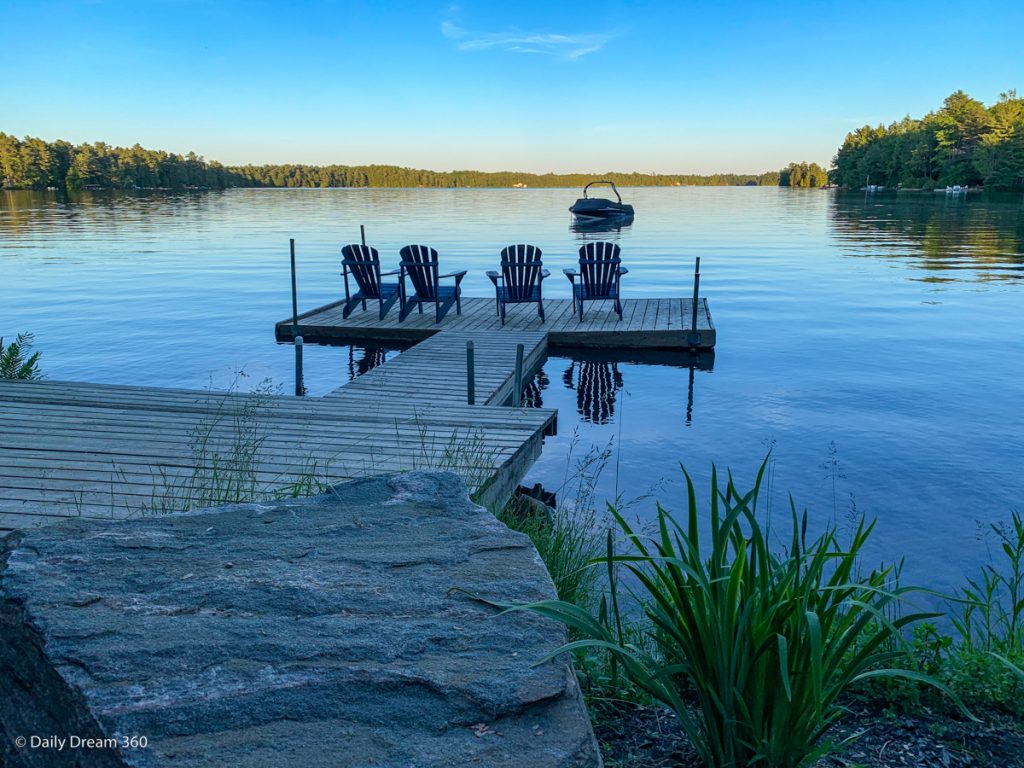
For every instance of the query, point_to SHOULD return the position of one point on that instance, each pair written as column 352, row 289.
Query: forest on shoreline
column 33, row 163
column 964, row 142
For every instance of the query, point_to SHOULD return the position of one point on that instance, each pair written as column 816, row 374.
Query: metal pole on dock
column 295, row 296
column 300, row 387
column 517, row 381
column 470, row 375
column 362, row 234
column 694, row 336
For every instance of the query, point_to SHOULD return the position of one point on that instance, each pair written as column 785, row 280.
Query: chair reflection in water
column 369, row 358
column 597, row 385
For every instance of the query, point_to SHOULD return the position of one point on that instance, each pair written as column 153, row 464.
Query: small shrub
column 17, row 360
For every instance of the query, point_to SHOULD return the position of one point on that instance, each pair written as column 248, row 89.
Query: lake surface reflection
column 874, row 343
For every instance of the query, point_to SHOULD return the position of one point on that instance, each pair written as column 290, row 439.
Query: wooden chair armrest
column 623, row 270
column 572, row 274
column 494, row 276
column 392, row 272
column 544, row 273
column 457, row 275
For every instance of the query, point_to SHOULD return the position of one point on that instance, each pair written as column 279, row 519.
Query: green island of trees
column 964, row 142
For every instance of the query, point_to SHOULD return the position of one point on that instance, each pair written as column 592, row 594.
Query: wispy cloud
column 569, row 47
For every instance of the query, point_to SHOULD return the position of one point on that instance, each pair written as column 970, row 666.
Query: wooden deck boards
column 97, row 450
column 645, row 324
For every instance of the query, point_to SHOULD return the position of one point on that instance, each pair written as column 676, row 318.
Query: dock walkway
column 96, row 450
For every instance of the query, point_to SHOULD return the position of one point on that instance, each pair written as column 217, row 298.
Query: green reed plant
column 988, row 621
column 17, row 360
column 750, row 648
column 991, row 615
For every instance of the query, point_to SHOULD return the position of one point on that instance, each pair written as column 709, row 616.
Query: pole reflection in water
column 532, row 392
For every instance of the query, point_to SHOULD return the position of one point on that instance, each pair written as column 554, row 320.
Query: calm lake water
column 875, row 343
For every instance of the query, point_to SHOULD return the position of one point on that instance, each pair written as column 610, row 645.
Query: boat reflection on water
column 591, row 229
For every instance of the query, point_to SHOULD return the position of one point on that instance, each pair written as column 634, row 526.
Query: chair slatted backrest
column 421, row 265
column 363, row 263
column 599, row 268
column 521, row 266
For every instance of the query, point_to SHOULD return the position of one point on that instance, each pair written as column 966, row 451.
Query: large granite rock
column 316, row 632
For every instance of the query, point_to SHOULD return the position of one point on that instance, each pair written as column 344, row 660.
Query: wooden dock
column 70, row 448
column 645, row 324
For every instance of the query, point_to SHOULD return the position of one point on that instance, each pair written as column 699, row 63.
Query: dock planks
column 645, row 324
column 95, row 450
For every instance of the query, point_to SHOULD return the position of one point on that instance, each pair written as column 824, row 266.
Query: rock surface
column 315, row 632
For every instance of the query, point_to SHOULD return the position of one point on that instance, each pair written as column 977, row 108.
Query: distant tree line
column 33, row 163
column 803, row 175
column 393, row 176
column 964, row 142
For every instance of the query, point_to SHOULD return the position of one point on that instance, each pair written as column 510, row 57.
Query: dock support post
column 517, row 381
column 362, row 234
column 300, row 387
column 694, row 336
column 295, row 297
column 470, row 375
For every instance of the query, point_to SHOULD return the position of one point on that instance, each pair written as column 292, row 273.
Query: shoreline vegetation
column 963, row 143
column 736, row 650
column 34, row 163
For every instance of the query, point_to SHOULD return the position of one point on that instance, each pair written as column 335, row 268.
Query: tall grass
column 228, row 470
column 466, row 453
column 988, row 621
column 762, row 644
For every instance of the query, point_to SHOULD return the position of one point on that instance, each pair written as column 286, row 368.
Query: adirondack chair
column 420, row 265
column 522, row 275
column 599, row 276
column 363, row 263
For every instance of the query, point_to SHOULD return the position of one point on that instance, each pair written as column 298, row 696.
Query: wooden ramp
column 69, row 448
column 434, row 370
column 645, row 324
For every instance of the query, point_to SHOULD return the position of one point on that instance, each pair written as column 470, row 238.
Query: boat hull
column 599, row 209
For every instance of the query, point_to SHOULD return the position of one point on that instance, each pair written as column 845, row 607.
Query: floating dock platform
column 645, row 324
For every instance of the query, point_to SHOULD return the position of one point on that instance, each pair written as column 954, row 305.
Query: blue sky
column 537, row 86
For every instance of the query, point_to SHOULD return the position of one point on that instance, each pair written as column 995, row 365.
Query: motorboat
column 595, row 209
